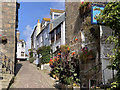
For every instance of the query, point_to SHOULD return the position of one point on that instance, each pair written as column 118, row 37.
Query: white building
column 57, row 29
column 21, row 45
column 36, row 31
column 44, row 32
column 43, row 38
column 106, row 48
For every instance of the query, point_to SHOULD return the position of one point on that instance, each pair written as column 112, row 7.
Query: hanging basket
column 90, row 57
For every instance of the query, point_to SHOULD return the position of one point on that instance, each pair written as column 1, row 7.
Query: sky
column 28, row 15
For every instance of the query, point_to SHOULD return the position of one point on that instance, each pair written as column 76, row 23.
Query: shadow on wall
column 18, row 66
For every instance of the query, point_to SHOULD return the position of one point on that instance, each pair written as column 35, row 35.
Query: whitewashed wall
column 106, row 48
column 20, row 49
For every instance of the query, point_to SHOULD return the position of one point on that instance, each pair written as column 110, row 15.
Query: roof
column 43, row 29
column 46, row 19
column 56, row 10
column 57, row 21
column 22, row 40
column 34, row 30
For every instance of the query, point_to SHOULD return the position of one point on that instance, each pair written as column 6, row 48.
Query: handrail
column 7, row 63
column 93, row 67
column 96, row 72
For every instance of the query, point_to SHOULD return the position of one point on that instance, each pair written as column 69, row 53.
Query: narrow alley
column 29, row 77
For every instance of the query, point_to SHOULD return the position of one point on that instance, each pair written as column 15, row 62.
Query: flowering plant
column 65, row 68
column 87, row 54
column 84, row 7
column 65, row 49
column 53, row 61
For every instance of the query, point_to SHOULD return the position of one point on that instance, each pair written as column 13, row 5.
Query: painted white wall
column 63, row 33
column 38, row 28
column 40, row 40
column 60, row 41
column 106, row 48
column 83, row 39
column 20, row 49
column 46, row 36
column 53, row 15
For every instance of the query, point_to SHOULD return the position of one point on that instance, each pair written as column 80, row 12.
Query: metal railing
column 6, row 63
column 96, row 68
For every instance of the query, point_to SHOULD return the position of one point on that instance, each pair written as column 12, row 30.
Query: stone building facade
column 75, row 24
column 9, row 24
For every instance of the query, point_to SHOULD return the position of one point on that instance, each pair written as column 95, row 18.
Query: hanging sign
column 95, row 11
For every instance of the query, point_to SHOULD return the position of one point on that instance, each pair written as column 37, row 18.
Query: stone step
column 6, row 80
column 4, row 71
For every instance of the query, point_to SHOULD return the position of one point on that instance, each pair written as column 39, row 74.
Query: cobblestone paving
column 29, row 77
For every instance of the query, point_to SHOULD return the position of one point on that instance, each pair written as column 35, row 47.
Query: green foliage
column 110, row 16
column 31, row 60
column 66, row 69
column 31, row 52
column 45, row 52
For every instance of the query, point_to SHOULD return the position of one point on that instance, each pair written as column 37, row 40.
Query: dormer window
column 56, row 15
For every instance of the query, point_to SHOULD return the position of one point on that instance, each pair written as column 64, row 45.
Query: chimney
column 38, row 27
column 18, row 35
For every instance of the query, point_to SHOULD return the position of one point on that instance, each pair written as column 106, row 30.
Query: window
column 22, row 44
column 41, row 39
column 22, row 53
column 58, row 32
column 55, row 16
column 52, row 37
column 45, row 35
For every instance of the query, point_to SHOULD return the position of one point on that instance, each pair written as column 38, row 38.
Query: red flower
column 76, row 39
column 59, row 53
column 73, row 53
column 68, row 49
column 57, row 59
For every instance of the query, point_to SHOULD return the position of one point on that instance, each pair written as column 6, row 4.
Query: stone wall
column 8, row 28
column 74, row 26
column 73, row 21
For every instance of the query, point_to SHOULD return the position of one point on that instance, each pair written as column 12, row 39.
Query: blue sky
column 30, row 12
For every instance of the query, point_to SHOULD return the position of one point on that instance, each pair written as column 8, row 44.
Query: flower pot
column 90, row 57
column 66, row 87
column 76, row 87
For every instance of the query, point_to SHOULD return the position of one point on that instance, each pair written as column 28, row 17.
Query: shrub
column 31, row 60
column 66, row 69
column 45, row 52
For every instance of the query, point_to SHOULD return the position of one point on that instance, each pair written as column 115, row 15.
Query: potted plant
column 87, row 55
column 76, row 86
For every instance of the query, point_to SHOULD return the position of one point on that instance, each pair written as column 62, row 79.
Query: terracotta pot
column 90, row 57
